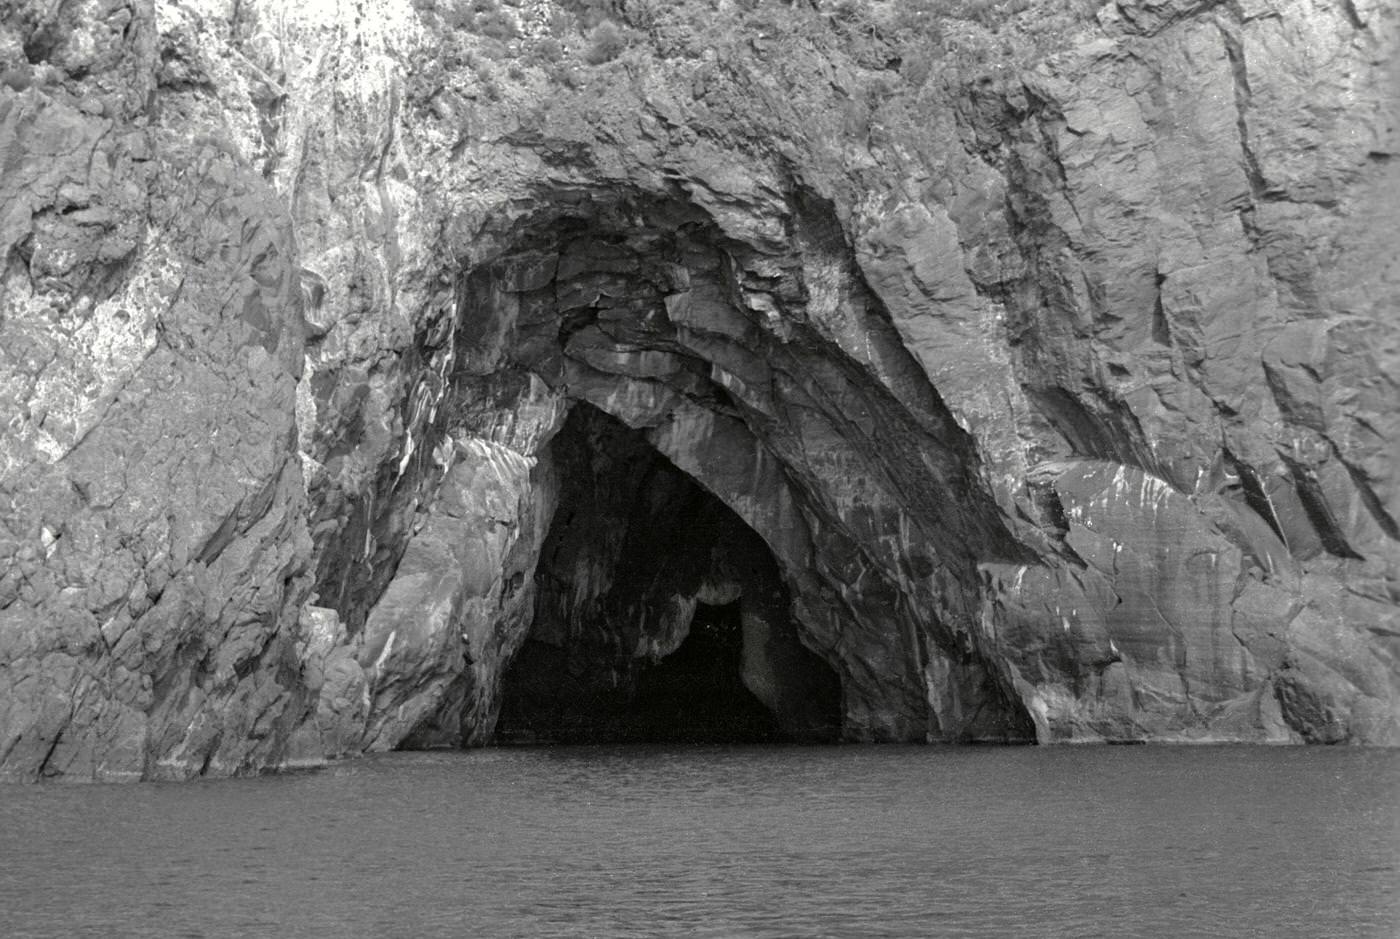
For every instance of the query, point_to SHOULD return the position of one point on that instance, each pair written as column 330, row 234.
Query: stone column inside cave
column 659, row 614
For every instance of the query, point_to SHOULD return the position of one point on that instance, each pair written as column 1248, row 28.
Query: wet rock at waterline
column 966, row 376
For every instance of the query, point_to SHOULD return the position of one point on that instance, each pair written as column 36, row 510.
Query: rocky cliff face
column 993, row 372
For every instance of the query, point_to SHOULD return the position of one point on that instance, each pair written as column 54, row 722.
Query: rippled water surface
column 763, row 841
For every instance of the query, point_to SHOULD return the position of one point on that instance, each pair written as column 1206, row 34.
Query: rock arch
column 761, row 368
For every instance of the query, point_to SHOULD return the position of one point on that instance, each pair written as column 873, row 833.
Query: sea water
column 725, row 842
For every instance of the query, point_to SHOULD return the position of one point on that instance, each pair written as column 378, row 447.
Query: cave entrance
column 660, row 616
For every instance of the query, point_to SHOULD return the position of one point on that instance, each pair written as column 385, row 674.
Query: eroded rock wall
column 1052, row 356
column 155, row 542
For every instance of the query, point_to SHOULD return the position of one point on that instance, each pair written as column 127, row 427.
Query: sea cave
column 659, row 615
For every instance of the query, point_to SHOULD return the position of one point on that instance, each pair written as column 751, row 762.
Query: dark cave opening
column 694, row 695
column 697, row 693
column 660, row 616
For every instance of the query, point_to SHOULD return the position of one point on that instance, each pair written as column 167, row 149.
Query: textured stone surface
column 1051, row 357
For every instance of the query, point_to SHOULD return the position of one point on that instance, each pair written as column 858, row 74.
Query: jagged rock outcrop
column 1050, row 357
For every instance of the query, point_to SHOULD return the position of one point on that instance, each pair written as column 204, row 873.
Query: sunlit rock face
column 366, row 369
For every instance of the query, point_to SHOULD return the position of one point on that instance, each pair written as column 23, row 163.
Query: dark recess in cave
column 694, row 695
column 635, row 542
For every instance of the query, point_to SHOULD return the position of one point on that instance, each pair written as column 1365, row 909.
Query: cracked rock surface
column 1042, row 368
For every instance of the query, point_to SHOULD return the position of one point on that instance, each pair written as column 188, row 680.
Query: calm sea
column 725, row 842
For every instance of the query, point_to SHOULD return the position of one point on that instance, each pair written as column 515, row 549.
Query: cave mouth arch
column 660, row 616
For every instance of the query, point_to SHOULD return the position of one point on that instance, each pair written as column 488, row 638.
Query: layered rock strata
column 1040, row 367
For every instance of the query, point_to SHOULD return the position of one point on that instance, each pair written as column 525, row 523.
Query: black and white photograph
column 736, row 469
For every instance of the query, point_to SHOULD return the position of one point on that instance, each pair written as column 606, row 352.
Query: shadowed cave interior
column 660, row 616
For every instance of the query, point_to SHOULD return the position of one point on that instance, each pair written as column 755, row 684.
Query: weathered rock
column 331, row 673
column 1048, row 373
column 436, row 643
